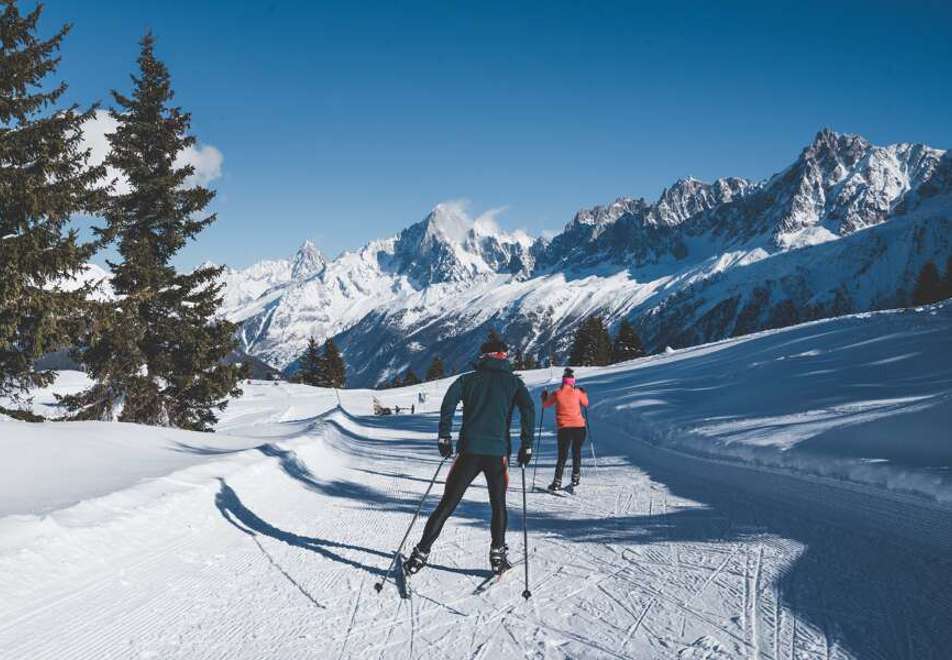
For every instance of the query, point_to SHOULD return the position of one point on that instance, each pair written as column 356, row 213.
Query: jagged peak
column 828, row 141
column 604, row 214
column 448, row 221
column 307, row 260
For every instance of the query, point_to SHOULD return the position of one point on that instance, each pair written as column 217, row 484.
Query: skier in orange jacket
column 568, row 401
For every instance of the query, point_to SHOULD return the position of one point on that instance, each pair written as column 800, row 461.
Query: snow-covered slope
column 441, row 256
column 845, row 228
column 783, row 494
column 97, row 278
column 250, row 284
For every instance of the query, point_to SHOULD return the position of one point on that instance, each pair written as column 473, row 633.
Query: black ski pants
column 465, row 468
column 570, row 437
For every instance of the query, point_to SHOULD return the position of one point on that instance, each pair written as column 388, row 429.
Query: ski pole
column 393, row 562
column 535, row 464
column 591, row 440
column 525, row 536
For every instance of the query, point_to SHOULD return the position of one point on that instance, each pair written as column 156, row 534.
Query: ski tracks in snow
column 634, row 565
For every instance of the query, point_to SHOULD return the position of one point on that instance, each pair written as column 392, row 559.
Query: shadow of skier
column 235, row 512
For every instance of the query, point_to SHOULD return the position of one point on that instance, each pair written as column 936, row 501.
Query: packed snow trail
column 781, row 495
column 276, row 557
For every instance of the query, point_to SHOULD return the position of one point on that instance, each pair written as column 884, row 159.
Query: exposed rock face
column 844, row 228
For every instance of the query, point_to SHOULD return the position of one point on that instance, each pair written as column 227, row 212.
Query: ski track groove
column 755, row 604
column 661, row 582
column 353, row 617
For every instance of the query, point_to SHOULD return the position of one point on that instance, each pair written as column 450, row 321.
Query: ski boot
column 576, row 478
column 555, row 486
column 415, row 561
column 498, row 560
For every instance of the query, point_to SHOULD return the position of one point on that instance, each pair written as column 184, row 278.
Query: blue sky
column 343, row 122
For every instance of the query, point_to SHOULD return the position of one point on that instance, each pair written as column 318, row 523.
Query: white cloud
column 205, row 158
column 486, row 222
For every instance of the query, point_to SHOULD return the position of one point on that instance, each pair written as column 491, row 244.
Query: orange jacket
column 568, row 402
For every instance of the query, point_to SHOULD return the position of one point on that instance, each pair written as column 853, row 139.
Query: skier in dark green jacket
column 489, row 395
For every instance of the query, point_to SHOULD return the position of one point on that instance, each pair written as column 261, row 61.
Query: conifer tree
column 410, row 378
column 592, row 345
column 312, row 364
column 627, row 345
column 334, row 371
column 157, row 354
column 928, row 286
column 44, row 179
column 436, row 370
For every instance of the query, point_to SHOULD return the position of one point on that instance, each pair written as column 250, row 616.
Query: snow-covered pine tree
column 627, row 345
column 334, row 371
column 45, row 179
column 928, row 285
column 436, row 369
column 157, row 354
column 312, row 365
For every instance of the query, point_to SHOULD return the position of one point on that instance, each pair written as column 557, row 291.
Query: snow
column 90, row 274
column 843, row 229
column 775, row 495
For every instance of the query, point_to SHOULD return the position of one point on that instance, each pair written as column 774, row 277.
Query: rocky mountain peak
column 307, row 260
column 690, row 196
column 834, row 151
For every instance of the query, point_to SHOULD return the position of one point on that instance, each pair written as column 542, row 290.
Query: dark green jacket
column 489, row 395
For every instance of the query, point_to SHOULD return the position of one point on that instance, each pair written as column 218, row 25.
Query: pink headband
column 499, row 355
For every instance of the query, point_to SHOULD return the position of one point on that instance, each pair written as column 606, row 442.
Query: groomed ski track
column 271, row 551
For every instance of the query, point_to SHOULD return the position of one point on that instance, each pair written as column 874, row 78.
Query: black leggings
column 573, row 437
column 465, row 468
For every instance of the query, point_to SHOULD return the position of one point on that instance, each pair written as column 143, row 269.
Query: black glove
column 545, row 395
column 580, row 388
column 525, row 456
column 445, row 446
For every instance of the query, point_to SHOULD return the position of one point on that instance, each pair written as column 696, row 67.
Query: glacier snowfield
column 781, row 495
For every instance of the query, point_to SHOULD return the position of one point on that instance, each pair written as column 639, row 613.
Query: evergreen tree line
column 594, row 346
column 322, row 369
column 931, row 287
column 154, row 352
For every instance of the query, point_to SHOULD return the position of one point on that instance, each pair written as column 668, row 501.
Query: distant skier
column 489, row 395
column 413, row 409
column 568, row 401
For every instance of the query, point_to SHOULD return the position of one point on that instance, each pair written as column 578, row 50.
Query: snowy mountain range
column 845, row 228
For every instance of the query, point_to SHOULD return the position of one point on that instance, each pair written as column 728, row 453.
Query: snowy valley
column 846, row 228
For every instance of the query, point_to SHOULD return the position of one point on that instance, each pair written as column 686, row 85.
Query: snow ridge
column 702, row 262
